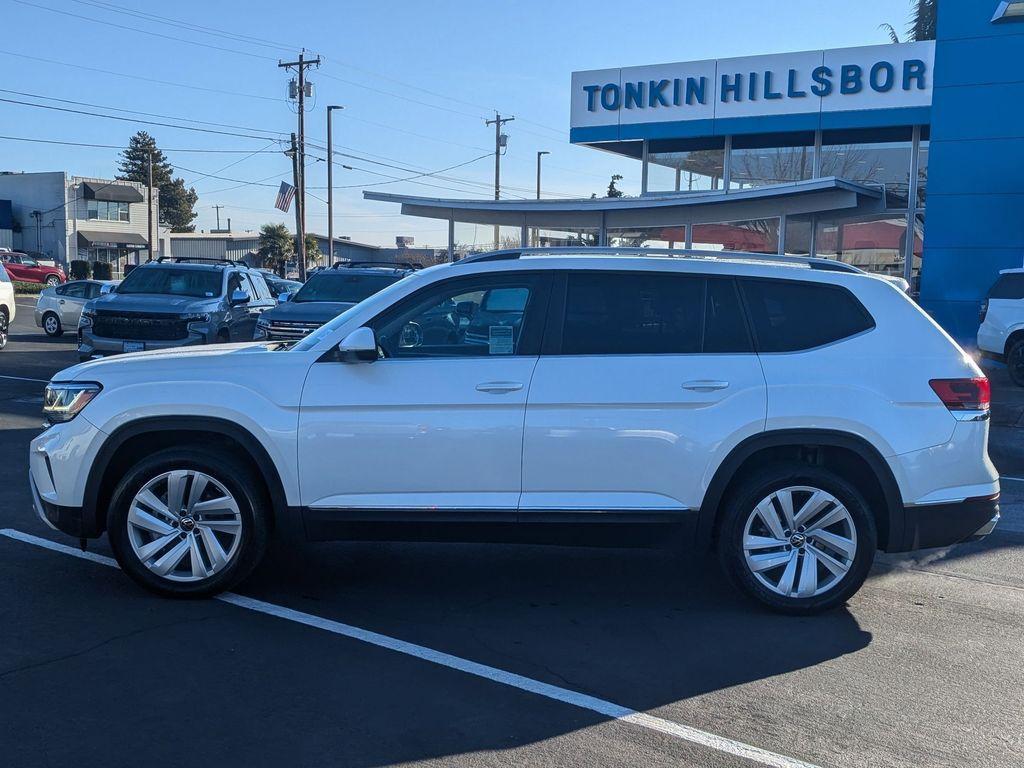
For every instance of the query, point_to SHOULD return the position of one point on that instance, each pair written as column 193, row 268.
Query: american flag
column 284, row 196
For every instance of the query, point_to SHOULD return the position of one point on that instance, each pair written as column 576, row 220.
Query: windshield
column 341, row 286
column 173, row 281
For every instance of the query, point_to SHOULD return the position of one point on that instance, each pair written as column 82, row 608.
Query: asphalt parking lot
column 385, row 654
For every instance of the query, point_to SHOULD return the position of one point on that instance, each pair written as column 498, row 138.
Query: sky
column 416, row 79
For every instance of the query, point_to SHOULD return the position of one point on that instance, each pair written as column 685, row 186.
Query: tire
column 229, row 540
column 51, row 325
column 52, row 281
column 1015, row 363
column 774, row 574
column 3, row 329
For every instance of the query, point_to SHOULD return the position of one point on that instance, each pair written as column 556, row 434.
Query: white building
column 66, row 217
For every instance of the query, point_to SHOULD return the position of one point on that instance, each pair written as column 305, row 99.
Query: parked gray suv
column 174, row 302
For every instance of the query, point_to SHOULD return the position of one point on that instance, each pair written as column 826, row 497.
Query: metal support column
column 816, row 162
column 915, row 166
column 451, row 239
column 727, row 165
column 524, row 236
column 814, row 237
column 602, row 233
column 782, row 235
column 643, row 173
column 689, row 236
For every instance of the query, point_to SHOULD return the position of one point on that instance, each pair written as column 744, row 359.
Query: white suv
column 8, row 307
column 795, row 415
column 1001, row 334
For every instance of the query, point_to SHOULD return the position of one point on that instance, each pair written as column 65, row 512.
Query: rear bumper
column 940, row 525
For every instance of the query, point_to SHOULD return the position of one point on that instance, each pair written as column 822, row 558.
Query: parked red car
column 26, row 269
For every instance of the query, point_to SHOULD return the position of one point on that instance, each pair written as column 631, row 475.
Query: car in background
column 174, row 302
column 26, row 269
column 7, row 305
column 59, row 307
column 327, row 294
column 280, row 287
column 1001, row 334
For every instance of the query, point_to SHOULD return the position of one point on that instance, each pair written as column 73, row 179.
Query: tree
column 614, row 191
column 276, row 245
column 312, row 249
column 923, row 20
column 177, row 203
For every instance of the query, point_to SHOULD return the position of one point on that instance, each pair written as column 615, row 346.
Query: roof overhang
column 115, row 193
column 797, row 198
column 118, row 239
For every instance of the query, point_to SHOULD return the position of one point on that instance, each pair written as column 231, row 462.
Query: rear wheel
column 52, row 281
column 51, row 324
column 186, row 522
column 798, row 538
column 3, row 329
column 1015, row 362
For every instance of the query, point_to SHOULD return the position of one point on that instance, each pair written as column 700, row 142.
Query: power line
column 121, row 146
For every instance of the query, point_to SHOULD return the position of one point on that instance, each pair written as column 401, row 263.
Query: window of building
column 788, row 316
column 648, row 237
column 760, row 160
column 753, row 236
column 798, row 236
column 106, row 210
column 922, row 173
column 685, row 165
column 875, row 244
column 848, row 155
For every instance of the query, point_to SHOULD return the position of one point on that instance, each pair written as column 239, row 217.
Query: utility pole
column 299, row 228
column 217, row 208
column 154, row 253
column 536, row 230
column 500, row 141
column 299, row 147
column 330, row 186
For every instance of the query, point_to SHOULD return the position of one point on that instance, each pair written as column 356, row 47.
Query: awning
column 130, row 240
column 798, row 198
column 115, row 193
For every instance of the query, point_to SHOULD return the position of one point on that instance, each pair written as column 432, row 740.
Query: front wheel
column 187, row 522
column 799, row 539
column 3, row 330
column 1015, row 363
column 51, row 324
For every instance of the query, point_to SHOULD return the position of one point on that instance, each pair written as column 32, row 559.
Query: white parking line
column 22, row 378
column 602, row 707
column 1010, row 477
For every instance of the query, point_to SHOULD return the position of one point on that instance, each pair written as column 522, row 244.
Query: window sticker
column 499, row 340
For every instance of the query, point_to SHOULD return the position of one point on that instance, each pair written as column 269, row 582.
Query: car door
column 240, row 324
column 71, row 298
column 651, row 376
column 15, row 268
column 435, row 426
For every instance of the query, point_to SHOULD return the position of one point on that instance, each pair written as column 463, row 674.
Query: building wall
column 42, row 192
column 138, row 217
column 976, row 170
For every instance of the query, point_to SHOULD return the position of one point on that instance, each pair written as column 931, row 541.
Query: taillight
column 963, row 394
column 983, row 312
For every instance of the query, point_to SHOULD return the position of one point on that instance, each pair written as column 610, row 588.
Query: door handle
column 705, row 385
column 61, row 301
column 499, row 387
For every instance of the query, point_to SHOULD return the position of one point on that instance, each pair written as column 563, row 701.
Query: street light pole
column 330, row 187
column 539, row 156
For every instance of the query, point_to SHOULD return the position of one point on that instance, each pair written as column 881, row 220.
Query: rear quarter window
column 788, row 316
column 1009, row 286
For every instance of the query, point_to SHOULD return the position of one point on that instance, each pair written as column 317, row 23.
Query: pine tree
column 177, row 203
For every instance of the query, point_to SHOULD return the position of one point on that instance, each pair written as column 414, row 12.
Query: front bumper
column 941, row 525
column 90, row 346
column 59, row 459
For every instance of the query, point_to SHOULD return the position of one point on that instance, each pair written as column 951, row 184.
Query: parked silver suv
column 174, row 302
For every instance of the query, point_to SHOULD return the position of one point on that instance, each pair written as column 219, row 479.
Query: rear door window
column 788, row 315
column 1008, row 286
column 75, row 290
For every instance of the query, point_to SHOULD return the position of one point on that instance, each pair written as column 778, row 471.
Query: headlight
column 86, row 319
column 198, row 317
column 62, row 402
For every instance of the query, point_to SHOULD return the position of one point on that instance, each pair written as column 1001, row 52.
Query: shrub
column 29, row 288
column 79, row 269
column 101, row 270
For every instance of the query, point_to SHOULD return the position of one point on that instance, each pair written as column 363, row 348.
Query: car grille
column 140, row 326
column 280, row 329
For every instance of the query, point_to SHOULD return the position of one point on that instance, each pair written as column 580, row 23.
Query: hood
column 151, row 302
column 306, row 311
column 215, row 354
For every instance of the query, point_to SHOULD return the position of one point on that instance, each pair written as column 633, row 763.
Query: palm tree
column 923, row 16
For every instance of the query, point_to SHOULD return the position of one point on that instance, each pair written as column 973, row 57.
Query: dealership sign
column 874, row 77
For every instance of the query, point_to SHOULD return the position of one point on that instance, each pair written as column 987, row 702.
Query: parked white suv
column 1001, row 334
column 8, row 308
column 794, row 415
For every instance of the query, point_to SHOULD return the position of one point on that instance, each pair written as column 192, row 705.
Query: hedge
column 80, row 269
column 101, row 270
column 30, row 288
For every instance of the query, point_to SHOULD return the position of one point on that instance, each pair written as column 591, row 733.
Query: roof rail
column 201, row 260
column 829, row 265
column 392, row 264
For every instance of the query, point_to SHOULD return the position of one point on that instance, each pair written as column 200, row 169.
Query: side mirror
column 360, row 346
column 239, row 296
column 107, row 288
column 283, row 297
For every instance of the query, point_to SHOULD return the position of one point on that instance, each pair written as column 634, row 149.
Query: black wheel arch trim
column 94, row 520
column 895, row 515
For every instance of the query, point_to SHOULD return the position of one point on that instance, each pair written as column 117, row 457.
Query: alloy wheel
column 1016, row 364
column 799, row 541
column 184, row 525
column 52, row 281
column 3, row 330
column 51, row 324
